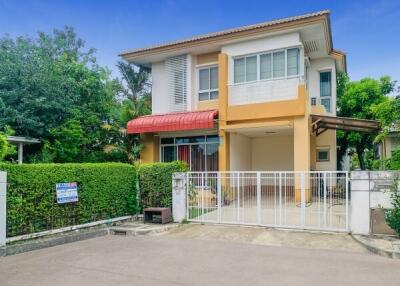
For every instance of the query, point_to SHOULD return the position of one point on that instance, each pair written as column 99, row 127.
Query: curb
column 78, row 235
column 376, row 250
column 49, row 242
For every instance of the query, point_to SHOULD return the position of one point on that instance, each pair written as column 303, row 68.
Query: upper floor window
column 325, row 85
column 208, row 83
column 279, row 64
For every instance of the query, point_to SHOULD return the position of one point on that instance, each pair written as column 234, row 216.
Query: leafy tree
column 6, row 149
column 52, row 88
column 356, row 99
column 388, row 113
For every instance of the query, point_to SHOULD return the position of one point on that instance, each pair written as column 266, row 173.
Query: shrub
column 393, row 215
column 105, row 190
column 3, row 146
column 155, row 183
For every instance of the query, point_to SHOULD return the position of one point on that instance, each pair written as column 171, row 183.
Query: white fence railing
column 308, row 200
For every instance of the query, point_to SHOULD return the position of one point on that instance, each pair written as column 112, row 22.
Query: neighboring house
column 246, row 98
column 389, row 144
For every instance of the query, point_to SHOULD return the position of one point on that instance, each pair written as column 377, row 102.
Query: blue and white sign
column 67, row 192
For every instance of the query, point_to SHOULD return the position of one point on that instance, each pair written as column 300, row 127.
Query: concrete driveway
column 173, row 259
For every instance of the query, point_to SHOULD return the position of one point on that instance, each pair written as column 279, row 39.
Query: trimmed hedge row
column 105, row 190
column 155, row 183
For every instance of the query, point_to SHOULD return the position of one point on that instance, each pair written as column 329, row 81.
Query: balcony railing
column 264, row 91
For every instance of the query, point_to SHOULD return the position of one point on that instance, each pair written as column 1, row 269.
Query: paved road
column 166, row 260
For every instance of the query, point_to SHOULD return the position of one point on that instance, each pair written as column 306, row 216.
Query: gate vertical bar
column 3, row 208
column 280, row 198
column 258, row 198
column 219, row 196
column 324, row 199
column 187, row 195
column 347, row 201
column 202, row 196
column 238, row 198
column 303, row 198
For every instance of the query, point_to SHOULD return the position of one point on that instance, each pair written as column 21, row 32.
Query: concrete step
column 133, row 229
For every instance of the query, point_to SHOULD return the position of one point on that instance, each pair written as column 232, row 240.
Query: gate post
column 3, row 208
column 179, row 196
column 360, row 202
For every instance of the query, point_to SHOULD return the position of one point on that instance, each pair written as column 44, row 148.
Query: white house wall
column 274, row 153
column 160, row 98
column 317, row 66
column 261, row 45
column 327, row 140
column 240, row 152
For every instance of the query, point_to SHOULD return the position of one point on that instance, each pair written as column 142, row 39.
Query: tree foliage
column 357, row 99
column 51, row 88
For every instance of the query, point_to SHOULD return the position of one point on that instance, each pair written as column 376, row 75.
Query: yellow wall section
column 313, row 152
column 207, row 104
column 318, row 109
column 207, row 58
column 224, row 151
column 151, row 148
column 327, row 140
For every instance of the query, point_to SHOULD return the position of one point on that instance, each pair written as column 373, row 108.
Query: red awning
column 179, row 121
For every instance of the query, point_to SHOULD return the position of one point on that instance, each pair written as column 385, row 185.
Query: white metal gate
column 307, row 200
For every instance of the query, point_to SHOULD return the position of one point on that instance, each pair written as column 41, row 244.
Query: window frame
column 270, row 52
column 176, row 145
column 323, row 149
column 209, row 90
column 331, row 89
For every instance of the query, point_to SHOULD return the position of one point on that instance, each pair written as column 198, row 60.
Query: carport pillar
column 3, row 205
column 224, row 144
column 301, row 160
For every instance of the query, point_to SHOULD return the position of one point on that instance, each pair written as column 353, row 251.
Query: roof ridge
column 227, row 31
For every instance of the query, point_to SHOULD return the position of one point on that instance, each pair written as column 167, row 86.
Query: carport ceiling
column 265, row 131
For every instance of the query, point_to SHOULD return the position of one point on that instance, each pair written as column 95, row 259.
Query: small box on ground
column 156, row 215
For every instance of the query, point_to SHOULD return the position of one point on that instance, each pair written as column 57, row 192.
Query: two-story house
column 244, row 99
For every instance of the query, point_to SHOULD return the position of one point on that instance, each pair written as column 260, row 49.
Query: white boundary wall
column 179, row 197
column 369, row 189
column 3, row 203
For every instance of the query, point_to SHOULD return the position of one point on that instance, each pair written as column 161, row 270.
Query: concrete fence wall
column 369, row 190
column 3, row 202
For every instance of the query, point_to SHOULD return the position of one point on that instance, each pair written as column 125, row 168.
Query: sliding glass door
column 199, row 152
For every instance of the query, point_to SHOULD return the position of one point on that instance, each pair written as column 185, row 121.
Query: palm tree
column 136, row 101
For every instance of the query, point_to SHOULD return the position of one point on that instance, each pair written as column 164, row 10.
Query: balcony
column 264, row 91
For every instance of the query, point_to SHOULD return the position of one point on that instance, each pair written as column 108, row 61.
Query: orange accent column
column 302, row 146
column 151, row 148
column 224, row 147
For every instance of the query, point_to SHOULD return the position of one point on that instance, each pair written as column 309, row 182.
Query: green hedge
column 105, row 190
column 155, row 183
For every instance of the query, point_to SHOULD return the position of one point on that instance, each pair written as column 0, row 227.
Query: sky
column 368, row 31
